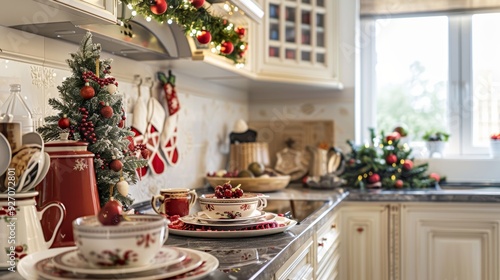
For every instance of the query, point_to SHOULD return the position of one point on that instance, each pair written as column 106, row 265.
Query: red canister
column 70, row 180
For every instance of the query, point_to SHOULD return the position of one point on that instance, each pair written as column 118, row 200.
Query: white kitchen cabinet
column 364, row 235
column 456, row 241
column 298, row 42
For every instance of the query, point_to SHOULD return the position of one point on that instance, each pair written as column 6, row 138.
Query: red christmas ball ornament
column 110, row 214
column 158, row 7
column 87, row 91
column 107, row 111
column 227, row 47
column 121, row 124
column 407, row 164
column 435, row 176
column 393, row 136
column 391, row 159
column 374, row 178
column 116, row 165
column 398, row 184
column 197, row 3
column 241, row 31
column 63, row 122
column 204, row 37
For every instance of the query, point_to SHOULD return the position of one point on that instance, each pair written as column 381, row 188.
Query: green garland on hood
column 192, row 20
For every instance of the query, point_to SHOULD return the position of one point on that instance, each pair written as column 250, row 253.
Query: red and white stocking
column 169, row 136
column 157, row 117
column 139, row 127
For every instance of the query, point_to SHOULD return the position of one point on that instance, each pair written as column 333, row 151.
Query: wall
column 336, row 105
column 208, row 111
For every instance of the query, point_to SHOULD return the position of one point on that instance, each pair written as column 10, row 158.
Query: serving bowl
column 232, row 208
column 258, row 184
column 131, row 243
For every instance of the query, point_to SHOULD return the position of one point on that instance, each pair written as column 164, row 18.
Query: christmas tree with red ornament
column 386, row 164
column 91, row 110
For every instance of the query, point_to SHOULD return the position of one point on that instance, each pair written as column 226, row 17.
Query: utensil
column 32, row 164
column 6, row 154
column 41, row 172
column 33, row 138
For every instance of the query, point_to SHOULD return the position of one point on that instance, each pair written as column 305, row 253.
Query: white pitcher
column 20, row 229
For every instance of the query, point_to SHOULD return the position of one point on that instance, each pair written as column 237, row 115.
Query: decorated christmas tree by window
column 385, row 163
column 91, row 110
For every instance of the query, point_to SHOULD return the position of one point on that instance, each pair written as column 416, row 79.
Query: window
column 433, row 72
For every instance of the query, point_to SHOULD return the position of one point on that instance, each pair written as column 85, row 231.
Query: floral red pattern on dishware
column 116, row 258
column 145, row 239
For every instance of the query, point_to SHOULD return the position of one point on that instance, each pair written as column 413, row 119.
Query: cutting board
column 303, row 133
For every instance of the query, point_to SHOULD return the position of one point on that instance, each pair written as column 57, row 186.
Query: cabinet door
column 450, row 241
column 301, row 41
column 364, row 241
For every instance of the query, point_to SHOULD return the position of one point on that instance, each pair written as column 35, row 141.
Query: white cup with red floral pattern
column 232, row 208
column 131, row 243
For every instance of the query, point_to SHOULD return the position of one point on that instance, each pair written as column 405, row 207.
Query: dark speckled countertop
column 312, row 207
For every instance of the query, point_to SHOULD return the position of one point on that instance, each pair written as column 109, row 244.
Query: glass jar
column 15, row 109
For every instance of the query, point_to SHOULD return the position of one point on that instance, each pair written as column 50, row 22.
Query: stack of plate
column 254, row 225
column 67, row 263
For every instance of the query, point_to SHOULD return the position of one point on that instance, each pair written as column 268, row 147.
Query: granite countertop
column 261, row 257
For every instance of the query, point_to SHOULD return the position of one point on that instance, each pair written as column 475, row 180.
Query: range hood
column 137, row 39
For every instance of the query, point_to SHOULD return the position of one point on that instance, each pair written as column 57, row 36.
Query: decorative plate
column 73, row 262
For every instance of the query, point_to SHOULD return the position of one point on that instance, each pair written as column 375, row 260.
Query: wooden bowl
column 265, row 184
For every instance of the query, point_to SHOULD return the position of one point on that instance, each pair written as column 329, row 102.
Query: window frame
column 460, row 83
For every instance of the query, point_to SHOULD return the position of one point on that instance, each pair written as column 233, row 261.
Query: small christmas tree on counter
column 386, row 164
column 91, row 110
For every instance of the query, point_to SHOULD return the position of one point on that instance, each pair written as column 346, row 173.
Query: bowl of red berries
column 230, row 202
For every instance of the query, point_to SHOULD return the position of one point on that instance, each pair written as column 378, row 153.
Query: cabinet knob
column 324, row 239
column 321, row 244
column 334, row 226
column 360, row 229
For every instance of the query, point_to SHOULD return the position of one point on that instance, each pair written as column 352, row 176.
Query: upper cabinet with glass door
column 301, row 42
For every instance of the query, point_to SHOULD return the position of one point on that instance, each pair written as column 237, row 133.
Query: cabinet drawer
column 300, row 265
column 328, row 267
column 327, row 236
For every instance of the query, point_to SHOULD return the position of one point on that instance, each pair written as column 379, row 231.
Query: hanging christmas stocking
column 168, row 140
column 155, row 126
column 139, row 128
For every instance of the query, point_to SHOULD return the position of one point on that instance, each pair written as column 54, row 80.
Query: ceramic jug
column 20, row 229
column 70, row 180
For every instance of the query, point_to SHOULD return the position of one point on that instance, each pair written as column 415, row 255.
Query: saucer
column 267, row 217
column 196, row 265
column 72, row 261
column 257, row 214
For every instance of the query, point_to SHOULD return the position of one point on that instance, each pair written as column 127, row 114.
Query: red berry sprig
column 86, row 127
column 89, row 75
column 227, row 191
